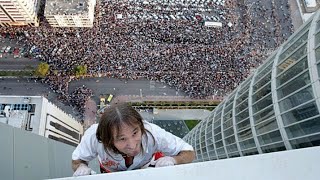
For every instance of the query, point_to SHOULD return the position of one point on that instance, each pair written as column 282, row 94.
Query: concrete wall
column 301, row 164
column 25, row 155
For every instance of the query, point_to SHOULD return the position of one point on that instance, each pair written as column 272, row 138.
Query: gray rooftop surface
column 66, row 7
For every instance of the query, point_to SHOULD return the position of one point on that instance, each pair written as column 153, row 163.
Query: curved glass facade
column 275, row 109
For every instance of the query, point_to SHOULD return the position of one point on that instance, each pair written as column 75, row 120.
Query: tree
column 80, row 70
column 42, row 70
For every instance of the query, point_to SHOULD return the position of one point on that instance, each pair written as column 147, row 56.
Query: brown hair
column 112, row 120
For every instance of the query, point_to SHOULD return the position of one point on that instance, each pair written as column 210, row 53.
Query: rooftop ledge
column 286, row 165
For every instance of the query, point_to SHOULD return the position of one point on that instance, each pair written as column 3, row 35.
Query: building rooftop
column 66, row 7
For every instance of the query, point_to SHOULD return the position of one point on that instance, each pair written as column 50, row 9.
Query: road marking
column 152, row 85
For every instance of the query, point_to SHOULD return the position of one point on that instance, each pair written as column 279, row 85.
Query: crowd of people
column 165, row 42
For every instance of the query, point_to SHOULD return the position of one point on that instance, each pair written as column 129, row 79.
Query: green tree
column 191, row 123
column 42, row 70
column 80, row 70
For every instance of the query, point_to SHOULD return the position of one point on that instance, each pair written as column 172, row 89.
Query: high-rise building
column 19, row 12
column 39, row 116
column 70, row 13
column 275, row 109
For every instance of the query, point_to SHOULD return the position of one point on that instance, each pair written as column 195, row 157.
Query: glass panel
column 250, row 152
column 243, row 125
column 294, row 85
column 217, row 124
column 246, row 134
column 297, row 35
column 209, row 142
column 229, row 104
column 217, row 118
column 242, row 115
column 300, row 113
column 220, row 106
column 230, row 140
column 266, row 126
column 213, row 158
column 243, row 96
column 291, row 72
column 232, row 148
column 212, row 154
column 265, row 102
column 209, row 131
column 227, row 124
column 235, row 154
column 242, row 106
column 227, row 114
column 318, row 25
column 221, row 152
column 273, row 148
column 263, row 115
column 271, row 137
column 204, row 153
column 292, row 59
column 244, row 88
column 317, row 52
column 217, row 130
column 300, row 41
column 264, row 71
column 228, row 132
column 304, row 128
column 227, row 117
column 262, row 92
column 317, row 38
column 296, row 99
column 262, row 82
column 247, row 144
column 306, row 142
column 218, row 137
column 219, row 144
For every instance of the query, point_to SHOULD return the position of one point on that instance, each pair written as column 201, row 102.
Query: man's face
column 128, row 140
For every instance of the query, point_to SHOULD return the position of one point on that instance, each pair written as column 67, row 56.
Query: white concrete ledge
column 301, row 164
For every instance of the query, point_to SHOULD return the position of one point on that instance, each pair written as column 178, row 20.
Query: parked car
column 7, row 49
column 11, row 50
column 3, row 49
column 16, row 53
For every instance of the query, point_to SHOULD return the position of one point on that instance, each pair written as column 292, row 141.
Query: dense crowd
column 166, row 42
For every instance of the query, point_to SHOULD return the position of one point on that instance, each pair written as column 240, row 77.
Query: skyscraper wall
column 275, row 109
column 19, row 12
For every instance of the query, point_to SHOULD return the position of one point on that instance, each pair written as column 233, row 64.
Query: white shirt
column 169, row 144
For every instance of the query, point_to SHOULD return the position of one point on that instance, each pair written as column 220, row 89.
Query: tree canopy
column 80, row 70
column 42, row 69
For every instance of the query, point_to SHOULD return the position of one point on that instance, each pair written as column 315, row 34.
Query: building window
column 273, row 148
column 305, row 142
column 300, row 113
column 293, row 85
column 304, row 128
column 270, row 137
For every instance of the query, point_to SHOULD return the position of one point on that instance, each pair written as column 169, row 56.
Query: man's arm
column 76, row 164
column 184, row 157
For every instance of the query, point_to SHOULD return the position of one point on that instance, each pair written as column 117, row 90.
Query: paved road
column 295, row 14
column 22, row 86
column 177, row 114
column 121, row 87
column 7, row 62
column 31, row 87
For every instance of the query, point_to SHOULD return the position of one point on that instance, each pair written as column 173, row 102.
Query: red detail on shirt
column 158, row 155
column 110, row 163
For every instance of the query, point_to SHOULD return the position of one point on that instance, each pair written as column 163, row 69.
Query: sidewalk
column 296, row 14
column 137, row 98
